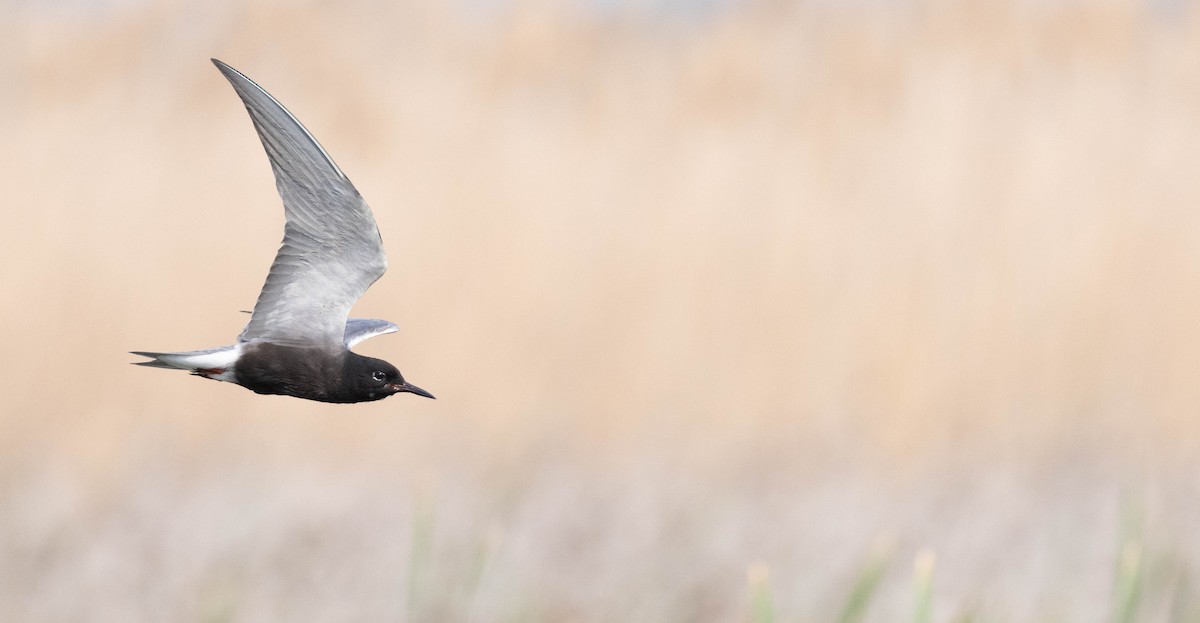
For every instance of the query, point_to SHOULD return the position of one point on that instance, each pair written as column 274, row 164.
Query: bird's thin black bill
column 412, row 389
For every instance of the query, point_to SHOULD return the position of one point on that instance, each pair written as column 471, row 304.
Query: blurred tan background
column 734, row 312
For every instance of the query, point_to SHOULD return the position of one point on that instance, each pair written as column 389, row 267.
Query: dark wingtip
column 226, row 69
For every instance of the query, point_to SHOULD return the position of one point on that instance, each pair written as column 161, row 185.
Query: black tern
column 298, row 340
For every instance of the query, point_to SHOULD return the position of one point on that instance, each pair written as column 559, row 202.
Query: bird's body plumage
column 299, row 335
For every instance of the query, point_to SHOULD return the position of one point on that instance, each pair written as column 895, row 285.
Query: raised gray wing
column 331, row 251
column 359, row 329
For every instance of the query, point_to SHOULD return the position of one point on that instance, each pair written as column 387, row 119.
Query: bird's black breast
column 312, row 373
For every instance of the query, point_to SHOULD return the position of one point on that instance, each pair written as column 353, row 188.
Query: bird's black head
column 368, row 378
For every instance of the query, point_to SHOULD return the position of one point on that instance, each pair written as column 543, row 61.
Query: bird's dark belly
column 301, row 372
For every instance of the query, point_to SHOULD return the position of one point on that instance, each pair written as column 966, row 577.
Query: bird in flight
column 298, row 340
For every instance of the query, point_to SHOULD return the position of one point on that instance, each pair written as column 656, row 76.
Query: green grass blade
column 864, row 587
column 761, row 602
column 923, row 573
column 1128, row 590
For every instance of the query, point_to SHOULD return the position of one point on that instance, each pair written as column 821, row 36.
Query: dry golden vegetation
column 841, row 311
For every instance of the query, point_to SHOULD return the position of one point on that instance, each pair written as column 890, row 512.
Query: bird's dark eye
column 379, row 376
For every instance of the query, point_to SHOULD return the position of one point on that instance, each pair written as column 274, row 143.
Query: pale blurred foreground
column 847, row 312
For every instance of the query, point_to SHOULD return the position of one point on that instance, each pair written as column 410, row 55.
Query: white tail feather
column 213, row 363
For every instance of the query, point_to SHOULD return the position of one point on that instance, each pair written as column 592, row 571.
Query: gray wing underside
column 331, row 251
column 359, row 329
